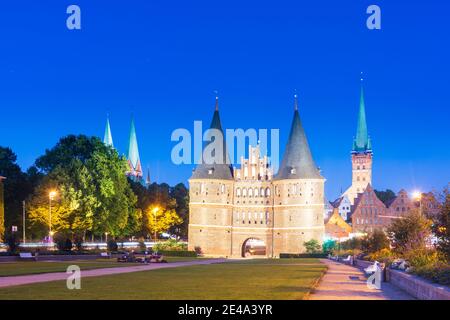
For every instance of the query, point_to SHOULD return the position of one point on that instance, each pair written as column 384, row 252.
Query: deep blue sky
column 162, row 60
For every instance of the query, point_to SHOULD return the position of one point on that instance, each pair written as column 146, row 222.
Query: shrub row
column 192, row 254
column 302, row 255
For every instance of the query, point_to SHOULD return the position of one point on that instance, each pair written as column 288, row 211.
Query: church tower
column 108, row 140
column 134, row 161
column 298, row 195
column 361, row 155
column 211, row 198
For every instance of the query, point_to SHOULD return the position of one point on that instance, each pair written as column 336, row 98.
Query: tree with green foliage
column 411, row 232
column 93, row 191
column 312, row 246
column 181, row 195
column 160, row 220
column 165, row 198
column 328, row 246
column 16, row 188
column 441, row 226
column 377, row 241
column 385, row 196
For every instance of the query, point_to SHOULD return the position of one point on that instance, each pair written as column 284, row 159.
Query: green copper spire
column 108, row 140
column 133, row 154
column 362, row 142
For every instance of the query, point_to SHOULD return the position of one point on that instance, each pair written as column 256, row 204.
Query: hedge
column 302, row 255
column 178, row 253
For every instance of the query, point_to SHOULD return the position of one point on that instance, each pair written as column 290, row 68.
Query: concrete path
column 343, row 282
column 47, row 277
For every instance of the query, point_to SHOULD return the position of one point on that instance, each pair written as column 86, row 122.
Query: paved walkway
column 47, row 277
column 343, row 282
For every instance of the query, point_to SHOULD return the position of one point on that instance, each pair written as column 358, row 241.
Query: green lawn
column 31, row 267
column 244, row 280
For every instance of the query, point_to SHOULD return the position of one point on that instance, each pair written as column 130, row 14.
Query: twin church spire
column 135, row 171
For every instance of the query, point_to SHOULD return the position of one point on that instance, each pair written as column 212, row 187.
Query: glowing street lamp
column 51, row 196
column 417, row 195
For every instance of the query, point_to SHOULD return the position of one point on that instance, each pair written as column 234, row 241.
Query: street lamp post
column 51, row 197
column 417, row 195
column 155, row 211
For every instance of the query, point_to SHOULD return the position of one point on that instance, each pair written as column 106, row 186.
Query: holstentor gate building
column 230, row 206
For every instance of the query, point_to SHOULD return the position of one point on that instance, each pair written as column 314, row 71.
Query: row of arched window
column 253, row 192
column 252, row 218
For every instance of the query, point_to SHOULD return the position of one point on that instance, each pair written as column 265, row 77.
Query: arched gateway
column 253, row 247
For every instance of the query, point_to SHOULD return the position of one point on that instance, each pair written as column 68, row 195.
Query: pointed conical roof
column 362, row 141
column 108, row 140
column 220, row 169
column 297, row 161
column 133, row 150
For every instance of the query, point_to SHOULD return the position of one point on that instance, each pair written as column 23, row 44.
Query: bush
column 170, row 245
column 302, row 255
column 423, row 258
column 64, row 244
column 410, row 233
column 13, row 243
column 178, row 253
column 312, row 246
column 377, row 241
column 352, row 244
column 438, row 273
column 384, row 255
column 328, row 246
column 112, row 245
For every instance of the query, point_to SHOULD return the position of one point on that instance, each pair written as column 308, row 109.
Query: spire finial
column 217, row 99
column 295, row 100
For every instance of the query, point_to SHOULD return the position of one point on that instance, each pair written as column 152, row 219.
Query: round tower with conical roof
column 298, row 195
column 211, row 196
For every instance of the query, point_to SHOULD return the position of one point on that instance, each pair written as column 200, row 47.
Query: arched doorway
column 254, row 248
